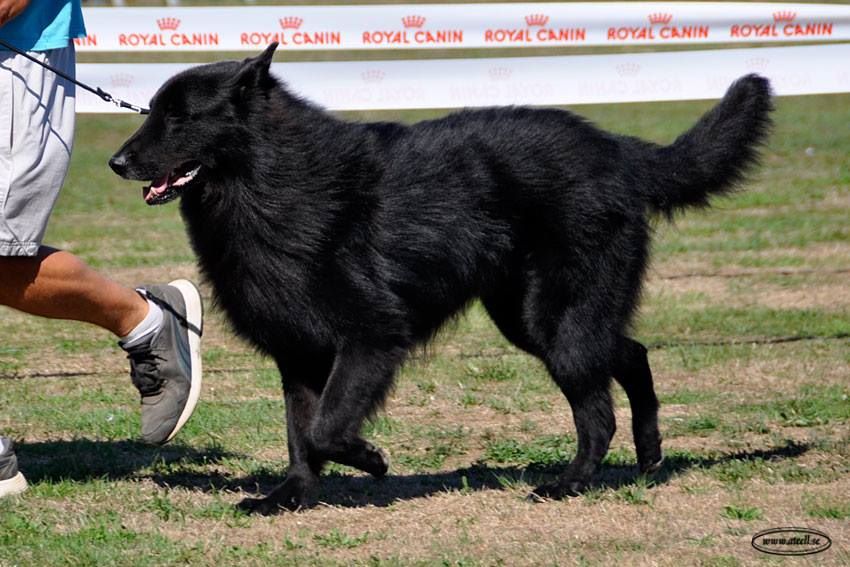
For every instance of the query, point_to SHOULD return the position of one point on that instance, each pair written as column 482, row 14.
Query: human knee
column 17, row 273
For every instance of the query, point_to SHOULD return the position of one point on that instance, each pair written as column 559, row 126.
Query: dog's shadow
column 178, row 465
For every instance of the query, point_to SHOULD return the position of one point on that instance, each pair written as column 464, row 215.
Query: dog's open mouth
column 168, row 187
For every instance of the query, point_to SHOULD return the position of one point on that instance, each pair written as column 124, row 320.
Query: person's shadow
column 82, row 460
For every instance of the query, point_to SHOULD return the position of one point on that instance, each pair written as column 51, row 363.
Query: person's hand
column 9, row 9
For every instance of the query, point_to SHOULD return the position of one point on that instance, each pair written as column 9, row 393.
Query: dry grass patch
column 826, row 256
column 822, row 290
column 499, row 527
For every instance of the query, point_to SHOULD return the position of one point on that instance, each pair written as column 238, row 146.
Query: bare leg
column 59, row 285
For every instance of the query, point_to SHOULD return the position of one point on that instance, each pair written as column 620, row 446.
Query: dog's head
column 192, row 132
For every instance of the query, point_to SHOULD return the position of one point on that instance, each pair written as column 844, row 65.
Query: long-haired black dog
column 336, row 247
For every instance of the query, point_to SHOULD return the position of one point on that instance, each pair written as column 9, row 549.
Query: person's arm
column 9, row 9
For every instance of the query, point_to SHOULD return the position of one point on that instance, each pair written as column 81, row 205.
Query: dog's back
column 466, row 200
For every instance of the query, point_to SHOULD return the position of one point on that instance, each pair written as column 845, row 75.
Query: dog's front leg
column 358, row 384
column 301, row 390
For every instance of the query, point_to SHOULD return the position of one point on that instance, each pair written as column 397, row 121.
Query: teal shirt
column 45, row 24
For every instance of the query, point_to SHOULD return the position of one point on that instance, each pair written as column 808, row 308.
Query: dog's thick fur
column 337, row 247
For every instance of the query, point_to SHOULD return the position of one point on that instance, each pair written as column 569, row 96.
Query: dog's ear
column 254, row 71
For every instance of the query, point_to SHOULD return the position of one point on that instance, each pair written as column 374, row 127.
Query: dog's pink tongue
column 159, row 185
column 156, row 188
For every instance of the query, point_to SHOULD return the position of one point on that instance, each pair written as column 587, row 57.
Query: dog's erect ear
column 255, row 70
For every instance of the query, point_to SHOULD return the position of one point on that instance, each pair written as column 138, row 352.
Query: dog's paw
column 652, row 467
column 273, row 504
column 649, row 453
column 376, row 461
column 292, row 495
column 556, row 490
column 259, row 506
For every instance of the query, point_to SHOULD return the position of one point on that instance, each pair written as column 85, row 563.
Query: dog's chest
column 266, row 298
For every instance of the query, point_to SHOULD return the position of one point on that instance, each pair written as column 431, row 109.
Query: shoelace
column 164, row 305
column 144, row 370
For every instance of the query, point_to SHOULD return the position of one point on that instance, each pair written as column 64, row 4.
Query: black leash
column 98, row 91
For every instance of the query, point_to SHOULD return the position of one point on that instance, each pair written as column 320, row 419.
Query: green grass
column 828, row 510
column 695, row 426
column 736, row 472
column 745, row 513
column 814, row 405
column 92, row 539
column 436, row 445
column 335, row 539
column 548, row 450
column 674, row 319
column 637, row 493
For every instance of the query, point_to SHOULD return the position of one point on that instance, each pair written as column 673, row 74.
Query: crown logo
column 290, row 23
column 628, row 69
column 536, row 20
column 121, row 80
column 757, row 63
column 413, row 21
column 784, row 16
column 168, row 23
column 372, row 76
column 659, row 18
column 499, row 73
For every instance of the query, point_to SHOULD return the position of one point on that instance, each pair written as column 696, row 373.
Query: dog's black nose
column 118, row 163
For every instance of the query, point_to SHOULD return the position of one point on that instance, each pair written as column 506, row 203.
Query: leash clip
column 120, row 103
column 138, row 109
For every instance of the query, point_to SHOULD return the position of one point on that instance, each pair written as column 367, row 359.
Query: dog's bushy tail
column 714, row 155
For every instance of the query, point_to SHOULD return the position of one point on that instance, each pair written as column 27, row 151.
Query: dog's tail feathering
column 714, row 155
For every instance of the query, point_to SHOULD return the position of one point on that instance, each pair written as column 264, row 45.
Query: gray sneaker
column 166, row 369
column 11, row 479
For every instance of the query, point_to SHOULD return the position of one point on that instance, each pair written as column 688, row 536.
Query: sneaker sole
column 14, row 485
column 195, row 316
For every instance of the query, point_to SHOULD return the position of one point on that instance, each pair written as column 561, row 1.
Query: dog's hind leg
column 358, row 384
column 590, row 400
column 538, row 320
column 632, row 371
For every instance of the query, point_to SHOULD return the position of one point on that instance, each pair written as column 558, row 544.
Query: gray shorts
column 36, row 136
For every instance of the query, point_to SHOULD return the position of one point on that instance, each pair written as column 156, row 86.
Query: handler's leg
column 161, row 334
column 37, row 121
column 58, row 285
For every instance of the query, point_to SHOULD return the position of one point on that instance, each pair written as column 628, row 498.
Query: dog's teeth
column 186, row 177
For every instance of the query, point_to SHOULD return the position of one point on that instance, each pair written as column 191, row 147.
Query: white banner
column 429, row 26
column 452, row 83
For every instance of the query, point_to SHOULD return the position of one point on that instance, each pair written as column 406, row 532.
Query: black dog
column 336, row 247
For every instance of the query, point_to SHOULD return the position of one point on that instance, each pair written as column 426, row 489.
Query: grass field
column 747, row 312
